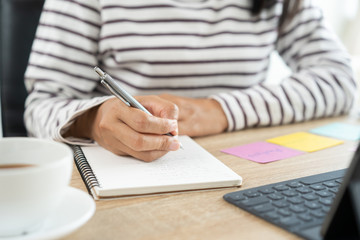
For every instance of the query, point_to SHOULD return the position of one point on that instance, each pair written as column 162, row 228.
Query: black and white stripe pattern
column 209, row 48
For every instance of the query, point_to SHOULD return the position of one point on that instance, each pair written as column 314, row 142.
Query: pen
column 121, row 94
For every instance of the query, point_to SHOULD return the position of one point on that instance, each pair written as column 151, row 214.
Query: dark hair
column 289, row 10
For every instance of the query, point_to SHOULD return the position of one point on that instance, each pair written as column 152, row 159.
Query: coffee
column 15, row 165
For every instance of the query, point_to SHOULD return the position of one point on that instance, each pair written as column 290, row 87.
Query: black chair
column 18, row 22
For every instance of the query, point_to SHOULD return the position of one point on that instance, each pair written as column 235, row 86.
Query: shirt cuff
column 232, row 109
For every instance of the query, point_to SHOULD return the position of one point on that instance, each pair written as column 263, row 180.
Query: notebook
column 107, row 175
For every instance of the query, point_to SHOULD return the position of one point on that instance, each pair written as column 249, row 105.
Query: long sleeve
column 321, row 83
column 59, row 77
column 198, row 49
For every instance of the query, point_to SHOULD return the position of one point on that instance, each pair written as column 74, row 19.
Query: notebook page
column 185, row 169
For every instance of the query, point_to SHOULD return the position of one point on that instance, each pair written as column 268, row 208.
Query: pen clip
column 108, row 86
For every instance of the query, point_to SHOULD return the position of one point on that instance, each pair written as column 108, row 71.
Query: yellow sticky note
column 304, row 141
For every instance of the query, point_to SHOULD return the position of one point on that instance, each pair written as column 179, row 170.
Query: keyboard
column 296, row 205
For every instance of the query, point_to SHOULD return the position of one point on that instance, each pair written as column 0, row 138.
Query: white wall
column 343, row 16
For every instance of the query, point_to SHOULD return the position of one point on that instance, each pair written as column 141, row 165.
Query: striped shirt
column 195, row 48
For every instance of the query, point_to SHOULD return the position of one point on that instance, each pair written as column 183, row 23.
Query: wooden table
column 204, row 214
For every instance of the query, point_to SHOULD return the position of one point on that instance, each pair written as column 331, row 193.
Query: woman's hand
column 198, row 117
column 129, row 131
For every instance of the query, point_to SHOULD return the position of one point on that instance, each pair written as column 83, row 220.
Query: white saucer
column 74, row 211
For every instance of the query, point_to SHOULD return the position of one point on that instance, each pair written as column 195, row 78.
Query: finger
column 146, row 142
column 148, row 156
column 160, row 107
column 120, row 149
column 182, row 104
column 144, row 123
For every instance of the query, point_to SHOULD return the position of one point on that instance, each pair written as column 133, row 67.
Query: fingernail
column 174, row 146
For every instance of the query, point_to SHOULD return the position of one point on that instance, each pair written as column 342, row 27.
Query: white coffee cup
column 34, row 174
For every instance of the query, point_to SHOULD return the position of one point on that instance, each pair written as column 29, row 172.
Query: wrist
column 219, row 113
column 83, row 124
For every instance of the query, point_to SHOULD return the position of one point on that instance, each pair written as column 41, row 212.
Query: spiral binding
column 84, row 168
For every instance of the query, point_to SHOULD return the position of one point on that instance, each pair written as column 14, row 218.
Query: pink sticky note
column 262, row 152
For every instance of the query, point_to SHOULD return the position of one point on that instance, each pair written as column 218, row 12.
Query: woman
column 198, row 65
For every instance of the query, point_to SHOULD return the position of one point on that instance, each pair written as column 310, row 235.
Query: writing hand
column 129, row 131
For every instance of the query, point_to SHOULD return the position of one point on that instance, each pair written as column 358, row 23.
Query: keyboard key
column 281, row 187
column 295, row 200
column 289, row 193
column 255, row 201
column 236, row 197
column 334, row 190
column 294, row 184
column 326, row 201
column 284, row 212
column 312, row 205
column 266, row 191
column 317, row 187
column 325, row 209
column 305, row 217
column 318, row 213
column 281, row 204
column 324, row 194
column 331, row 184
column 264, row 208
column 275, row 196
column 252, row 194
column 310, row 197
column 297, row 209
column 303, row 190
